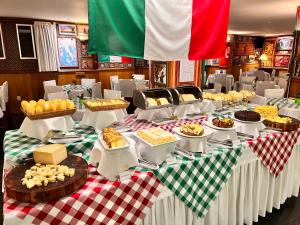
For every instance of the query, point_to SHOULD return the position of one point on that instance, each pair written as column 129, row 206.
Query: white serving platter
column 210, row 124
column 207, row 132
column 151, row 145
column 107, row 148
column 242, row 121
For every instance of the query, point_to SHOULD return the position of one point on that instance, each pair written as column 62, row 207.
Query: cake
column 192, row 129
column 162, row 101
column 282, row 123
column 223, row 122
column 156, row 136
column 187, row 97
column 113, row 138
column 151, row 102
column 266, row 111
column 245, row 115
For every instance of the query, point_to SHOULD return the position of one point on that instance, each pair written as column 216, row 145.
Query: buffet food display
column 186, row 94
column 47, row 109
column 192, row 129
column 247, row 116
column 282, row 123
column 231, row 97
column 223, row 122
column 266, row 111
column 113, row 138
column 155, row 136
column 105, row 104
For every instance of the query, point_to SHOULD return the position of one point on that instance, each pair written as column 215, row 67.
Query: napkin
column 112, row 163
column 39, row 128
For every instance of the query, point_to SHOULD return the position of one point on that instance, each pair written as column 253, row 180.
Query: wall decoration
column 129, row 65
column 67, row 29
column 87, row 63
column 269, row 49
column 121, row 65
column 139, row 62
column 285, row 43
column 282, row 61
column 186, row 72
column 2, row 50
column 159, row 73
column 112, row 65
column 67, row 52
column 26, row 41
column 283, row 53
column 84, row 49
column 244, row 45
column 82, row 30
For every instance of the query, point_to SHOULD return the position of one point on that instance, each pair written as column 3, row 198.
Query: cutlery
column 182, row 152
column 148, row 165
column 245, row 135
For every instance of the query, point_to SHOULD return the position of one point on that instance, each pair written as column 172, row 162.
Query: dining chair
column 282, row 83
column 52, row 89
column 262, row 85
column 88, row 82
column 49, row 83
column 217, row 87
column 126, row 87
column 138, row 76
column 274, row 93
column 259, row 100
column 111, row 94
column 114, row 81
column 58, row 95
column 247, row 87
column 97, row 90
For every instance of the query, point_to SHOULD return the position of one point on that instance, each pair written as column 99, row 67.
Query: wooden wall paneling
column 295, row 87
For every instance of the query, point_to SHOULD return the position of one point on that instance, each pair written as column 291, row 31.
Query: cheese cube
column 50, row 154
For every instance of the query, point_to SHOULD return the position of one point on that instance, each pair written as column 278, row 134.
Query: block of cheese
column 50, row 154
column 151, row 102
column 188, row 97
column 163, row 101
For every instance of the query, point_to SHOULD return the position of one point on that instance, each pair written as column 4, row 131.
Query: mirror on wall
column 26, row 41
column 2, row 51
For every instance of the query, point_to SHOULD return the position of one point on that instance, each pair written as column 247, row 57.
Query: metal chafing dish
column 186, row 89
column 140, row 98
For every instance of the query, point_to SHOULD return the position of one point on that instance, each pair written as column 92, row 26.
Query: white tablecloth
column 250, row 192
column 39, row 128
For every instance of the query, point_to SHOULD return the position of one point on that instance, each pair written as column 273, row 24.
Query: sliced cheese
column 50, row 154
column 163, row 101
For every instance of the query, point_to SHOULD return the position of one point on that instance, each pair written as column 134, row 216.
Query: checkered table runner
column 18, row 146
column 99, row 201
column 197, row 183
column 135, row 124
column 275, row 149
column 77, row 87
column 283, row 103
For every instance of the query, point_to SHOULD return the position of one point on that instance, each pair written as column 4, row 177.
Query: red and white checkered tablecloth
column 275, row 149
column 135, row 124
column 99, row 201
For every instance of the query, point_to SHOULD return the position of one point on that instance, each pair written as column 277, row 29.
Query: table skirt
column 250, row 192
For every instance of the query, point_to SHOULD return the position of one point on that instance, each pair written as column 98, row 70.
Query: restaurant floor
column 289, row 214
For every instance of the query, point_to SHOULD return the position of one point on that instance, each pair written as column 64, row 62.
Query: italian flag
column 159, row 29
column 107, row 58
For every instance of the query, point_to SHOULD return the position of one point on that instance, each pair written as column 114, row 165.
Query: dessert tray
column 210, row 124
column 105, row 104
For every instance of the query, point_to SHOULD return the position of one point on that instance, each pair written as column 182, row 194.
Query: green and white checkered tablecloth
column 283, row 103
column 197, row 183
column 18, row 146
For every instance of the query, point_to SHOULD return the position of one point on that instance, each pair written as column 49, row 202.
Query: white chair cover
column 282, row 82
column 49, row 83
column 247, row 79
column 259, row 100
column 88, row 82
column 141, row 84
column 260, row 74
column 138, row 76
column 262, row 85
column 5, row 90
column 52, row 89
column 2, row 99
column 112, row 94
column 247, row 87
column 126, row 87
column 218, row 87
column 58, row 95
column 274, row 93
column 97, row 90
column 114, row 81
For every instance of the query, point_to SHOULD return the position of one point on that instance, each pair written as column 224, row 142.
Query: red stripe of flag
column 209, row 29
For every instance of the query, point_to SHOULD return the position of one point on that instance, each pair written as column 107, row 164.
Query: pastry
column 187, row 97
column 282, row 123
column 246, row 115
column 266, row 111
column 223, row 122
column 192, row 129
column 156, row 136
column 162, row 101
column 113, row 138
column 151, row 102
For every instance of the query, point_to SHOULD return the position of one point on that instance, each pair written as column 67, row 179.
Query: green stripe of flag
column 130, row 38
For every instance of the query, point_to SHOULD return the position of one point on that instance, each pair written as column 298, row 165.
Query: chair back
column 282, row 82
column 274, row 93
column 260, row 75
column 52, row 89
column 58, row 95
column 112, row 94
column 126, row 87
column 141, row 85
column 262, row 85
column 138, row 76
column 114, row 80
column 97, row 90
column 217, row 87
column 221, row 79
column 248, row 79
column 247, row 87
column 49, row 83
column 259, row 100
column 88, row 82
column 3, row 96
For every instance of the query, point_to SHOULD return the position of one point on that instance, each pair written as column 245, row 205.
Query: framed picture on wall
column 67, row 52
column 87, row 63
column 67, row 29
column 285, row 43
column 2, row 50
column 159, row 74
column 83, row 50
column 82, row 30
column 282, row 61
column 26, row 41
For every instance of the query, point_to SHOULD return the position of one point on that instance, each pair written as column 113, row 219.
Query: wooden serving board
column 51, row 192
column 49, row 114
column 108, row 107
column 294, row 125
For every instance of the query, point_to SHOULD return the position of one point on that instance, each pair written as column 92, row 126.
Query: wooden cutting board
column 51, row 192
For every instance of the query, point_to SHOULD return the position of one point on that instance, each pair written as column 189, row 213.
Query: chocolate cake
column 291, row 125
column 245, row 115
column 223, row 122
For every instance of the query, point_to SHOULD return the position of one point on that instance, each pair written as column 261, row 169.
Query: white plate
column 151, row 145
column 65, row 141
column 105, row 146
column 207, row 132
column 210, row 124
column 241, row 121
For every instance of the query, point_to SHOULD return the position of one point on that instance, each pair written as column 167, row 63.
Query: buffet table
column 224, row 186
column 287, row 107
